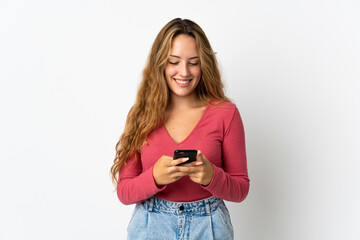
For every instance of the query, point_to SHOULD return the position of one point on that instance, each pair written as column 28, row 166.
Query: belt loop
column 151, row 204
column 207, row 207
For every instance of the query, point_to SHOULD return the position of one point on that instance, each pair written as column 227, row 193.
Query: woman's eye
column 193, row 63
column 173, row 63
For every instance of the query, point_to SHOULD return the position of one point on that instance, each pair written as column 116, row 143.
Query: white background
column 69, row 72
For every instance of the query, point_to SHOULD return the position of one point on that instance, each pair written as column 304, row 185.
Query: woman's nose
column 184, row 70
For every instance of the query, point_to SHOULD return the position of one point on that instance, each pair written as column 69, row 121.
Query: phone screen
column 191, row 154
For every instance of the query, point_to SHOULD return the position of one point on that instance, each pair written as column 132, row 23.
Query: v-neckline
column 191, row 132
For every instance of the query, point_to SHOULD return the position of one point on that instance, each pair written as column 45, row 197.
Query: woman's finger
column 198, row 163
column 178, row 161
column 185, row 169
column 178, row 174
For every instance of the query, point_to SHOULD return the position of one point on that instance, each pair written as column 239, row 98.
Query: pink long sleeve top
column 219, row 135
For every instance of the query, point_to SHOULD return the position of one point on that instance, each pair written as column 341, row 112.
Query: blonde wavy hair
column 153, row 94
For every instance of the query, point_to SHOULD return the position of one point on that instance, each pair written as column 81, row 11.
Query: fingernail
column 171, row 168
column 185, row 159
column 199, row 163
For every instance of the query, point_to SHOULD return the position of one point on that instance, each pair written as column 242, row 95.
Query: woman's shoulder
column 221, row 105
column 222, row 113
column 222, row 109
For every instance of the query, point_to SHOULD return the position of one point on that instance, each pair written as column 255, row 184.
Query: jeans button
column 181, row 208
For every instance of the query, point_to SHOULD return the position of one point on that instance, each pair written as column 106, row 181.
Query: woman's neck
column 182, row 103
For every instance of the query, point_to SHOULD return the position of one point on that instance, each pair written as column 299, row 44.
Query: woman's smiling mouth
column 182, row 82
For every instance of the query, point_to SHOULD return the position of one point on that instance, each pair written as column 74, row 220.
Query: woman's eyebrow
column 180, row 57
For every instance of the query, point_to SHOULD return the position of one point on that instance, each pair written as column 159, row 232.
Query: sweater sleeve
column 135, row 184
column 231, row 182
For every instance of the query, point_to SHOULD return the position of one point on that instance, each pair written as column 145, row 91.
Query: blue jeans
column 165, row 220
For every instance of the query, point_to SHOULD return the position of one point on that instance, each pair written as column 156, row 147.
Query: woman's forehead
column 184, row 46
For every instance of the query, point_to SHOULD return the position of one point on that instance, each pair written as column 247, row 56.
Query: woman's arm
column 135, row 185
column 231, row 182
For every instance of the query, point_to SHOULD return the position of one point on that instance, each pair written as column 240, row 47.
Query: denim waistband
column 202, row 206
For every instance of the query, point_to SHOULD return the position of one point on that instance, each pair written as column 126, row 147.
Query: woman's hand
column 165, row 170
column 201, row 171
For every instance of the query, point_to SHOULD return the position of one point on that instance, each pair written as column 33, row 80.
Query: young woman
column 181, row 105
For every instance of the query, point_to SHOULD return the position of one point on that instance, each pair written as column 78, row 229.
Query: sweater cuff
column 150, row 181
column 216, row 178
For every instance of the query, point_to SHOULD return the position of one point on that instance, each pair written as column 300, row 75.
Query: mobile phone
column 191, row 154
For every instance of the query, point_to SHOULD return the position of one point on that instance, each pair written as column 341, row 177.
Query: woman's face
column 182, row 70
